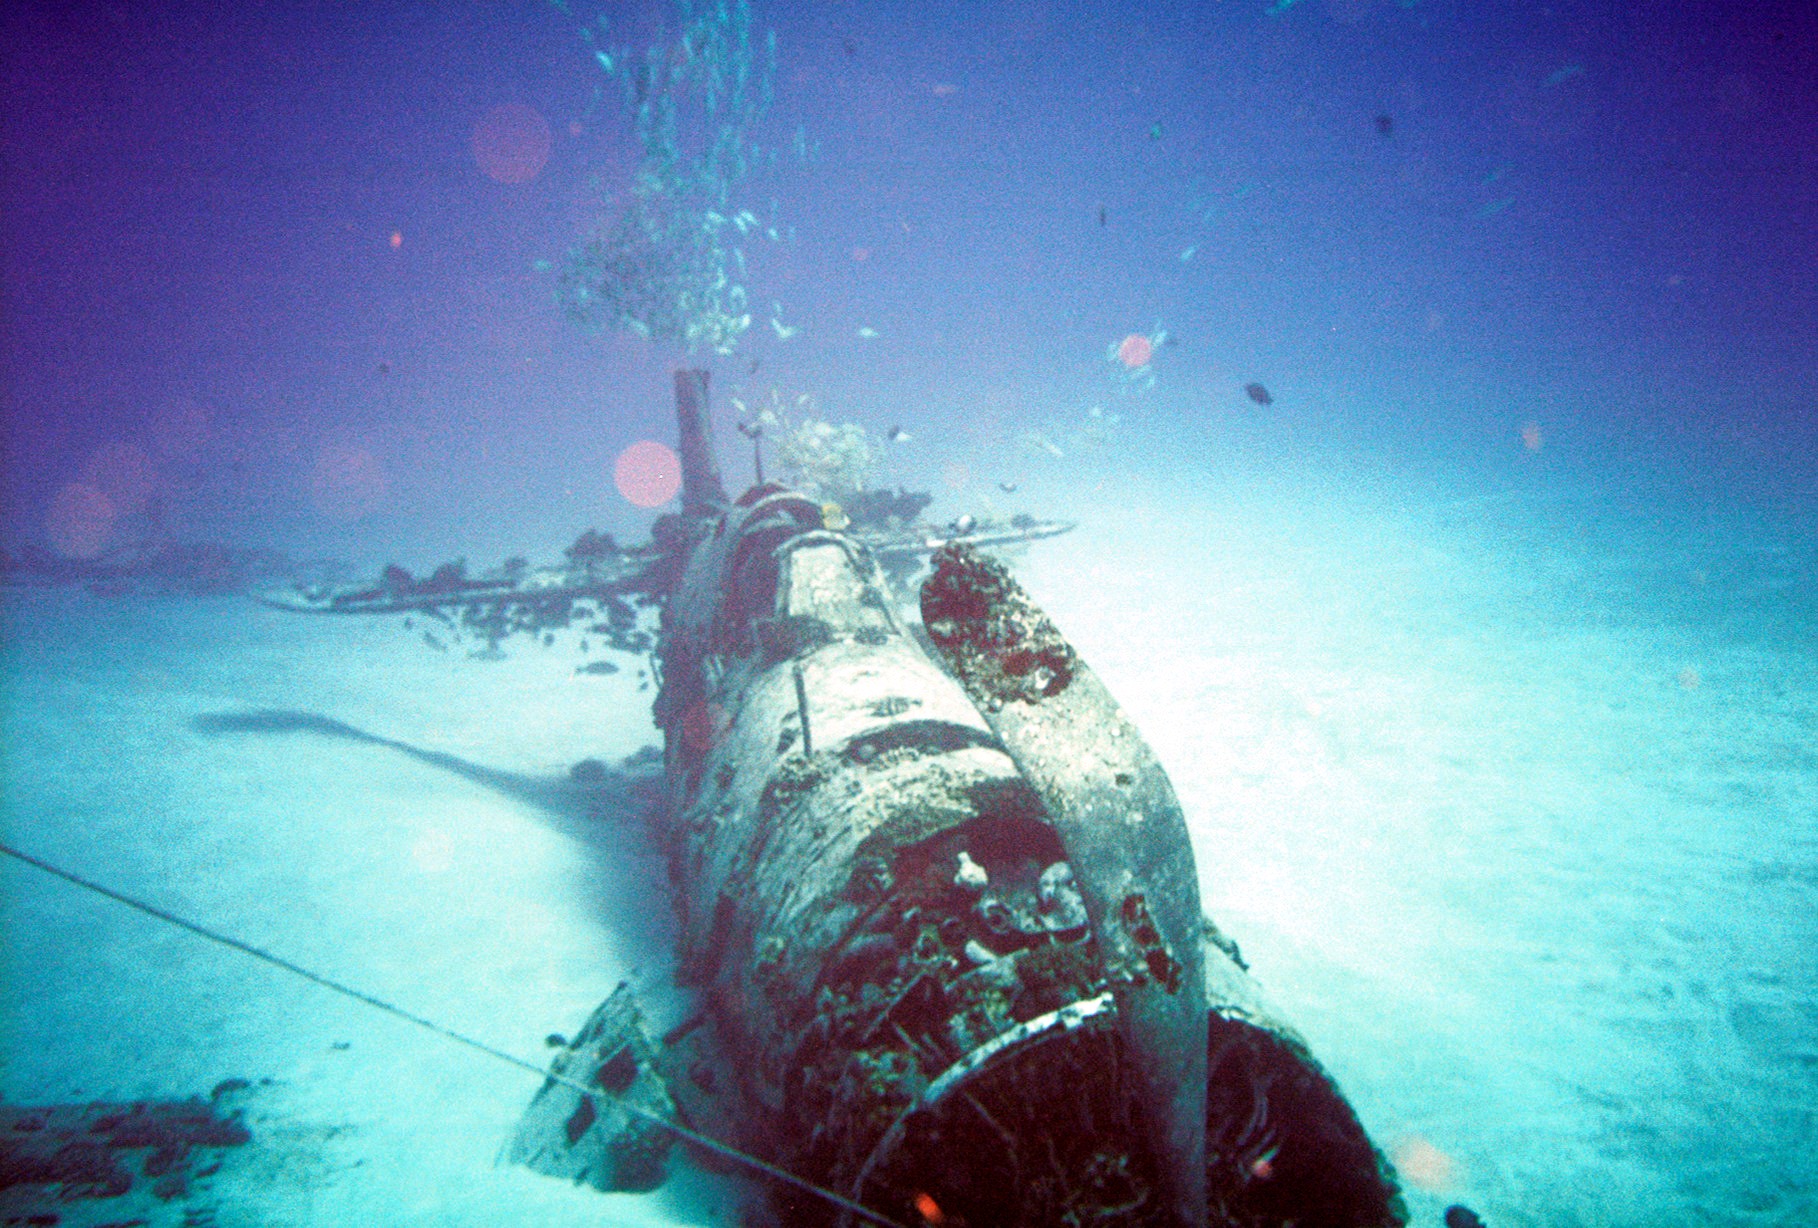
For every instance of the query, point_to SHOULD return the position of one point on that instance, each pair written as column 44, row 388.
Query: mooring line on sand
column 329, row 983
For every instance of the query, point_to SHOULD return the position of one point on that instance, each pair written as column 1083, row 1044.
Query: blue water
column 1481, row 654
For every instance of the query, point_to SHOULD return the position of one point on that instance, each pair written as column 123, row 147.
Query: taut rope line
column 278, row 961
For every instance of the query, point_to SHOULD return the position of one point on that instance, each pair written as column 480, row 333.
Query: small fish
column 848, row 46
column 1562, row 75
column 1385, row 125
column 1041, row 443
column 963, row 526
column 1259, row 394
column 1101, row 215
column 1155, row 131
column 898, row 435
column 1187, row 254
column 1008, row 488
column 867, row 333
column 1460, row 1216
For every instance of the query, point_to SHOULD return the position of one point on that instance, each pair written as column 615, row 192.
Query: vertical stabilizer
column 703, row 494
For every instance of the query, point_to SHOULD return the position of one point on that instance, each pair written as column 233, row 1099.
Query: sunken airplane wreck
column 938, row 900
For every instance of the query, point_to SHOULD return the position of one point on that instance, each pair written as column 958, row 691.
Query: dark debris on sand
column 52, row 1156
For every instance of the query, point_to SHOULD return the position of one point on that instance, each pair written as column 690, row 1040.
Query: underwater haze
column 1432, row 388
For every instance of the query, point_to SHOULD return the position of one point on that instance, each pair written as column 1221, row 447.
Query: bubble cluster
column 667, row 264
column 825, row 461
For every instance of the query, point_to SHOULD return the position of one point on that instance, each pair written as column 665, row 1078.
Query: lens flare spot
column 647, row 474
column 1424, row 1165
column 397, row 239
column 1135, row 351
column 80, row 521
column 346, row 483
column 928, row 1209
column 511, row 143
column 1531, row 438
column 124, row 473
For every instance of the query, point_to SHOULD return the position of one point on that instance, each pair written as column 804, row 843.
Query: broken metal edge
column 1097, row 1011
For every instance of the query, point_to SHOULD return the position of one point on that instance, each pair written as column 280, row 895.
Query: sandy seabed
column 1510, row 800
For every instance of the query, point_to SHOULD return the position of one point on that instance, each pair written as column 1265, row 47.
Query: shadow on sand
column 613, row 812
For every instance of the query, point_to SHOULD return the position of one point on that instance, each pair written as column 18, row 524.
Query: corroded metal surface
column 1121, row 825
